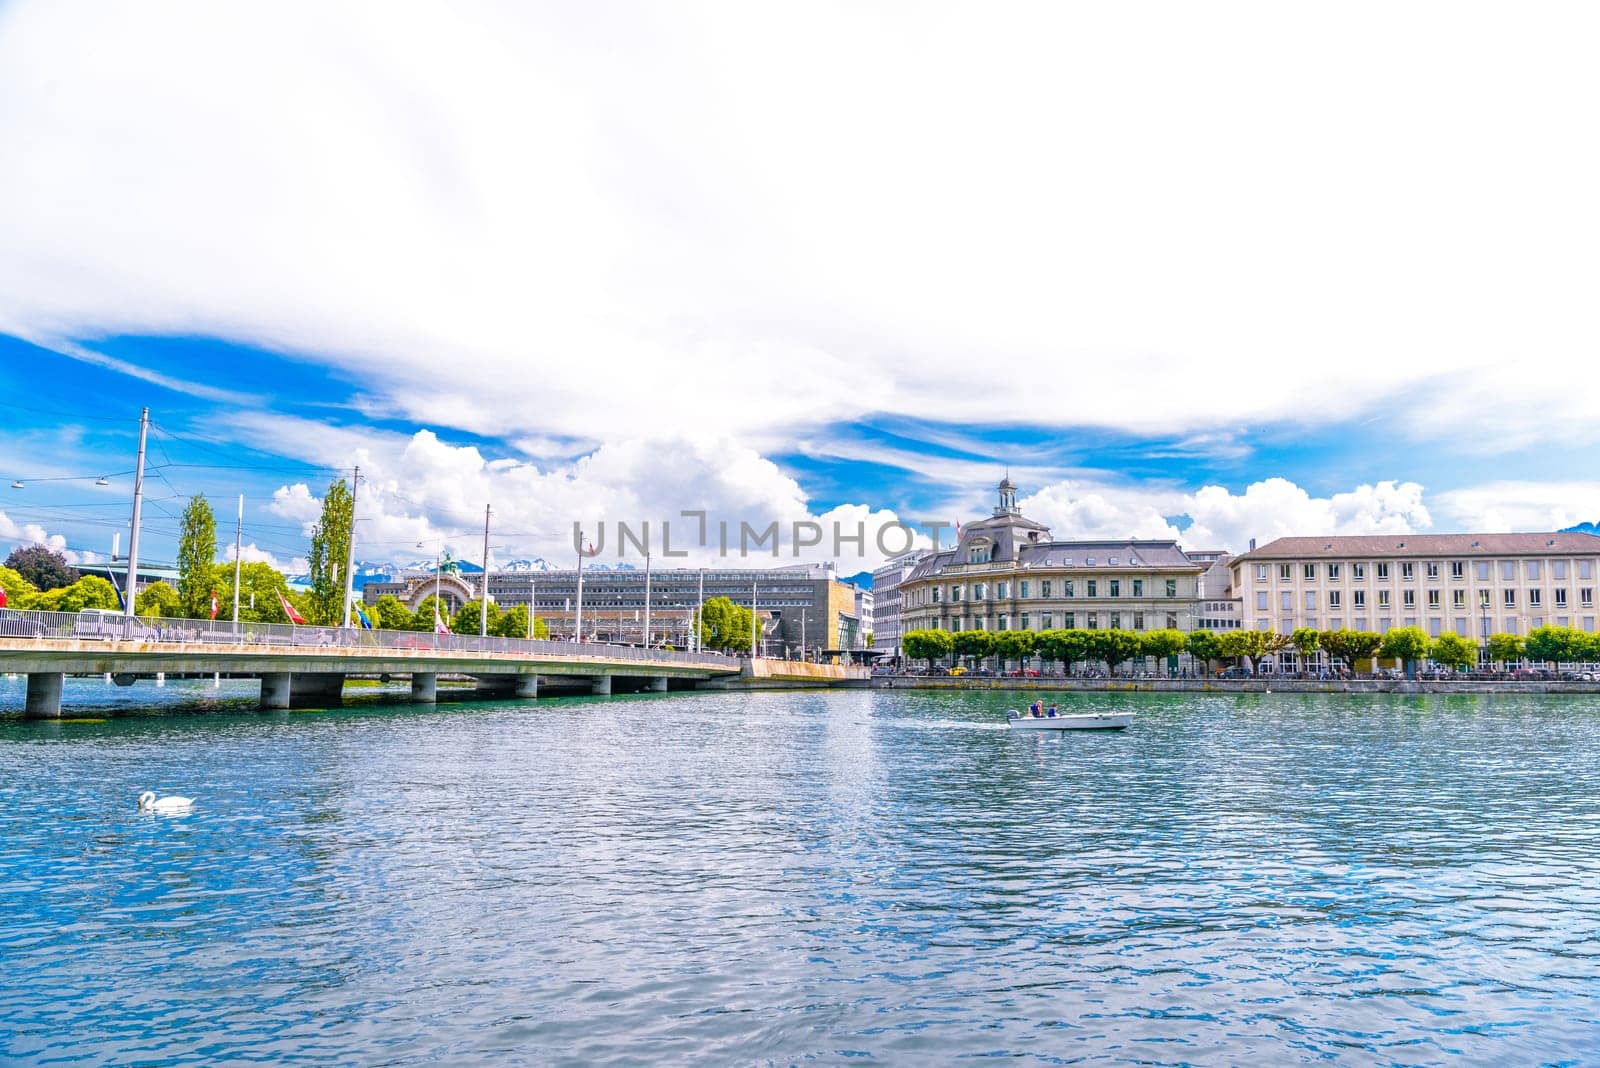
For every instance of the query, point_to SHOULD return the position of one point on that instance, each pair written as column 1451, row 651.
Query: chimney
column 1252, row 545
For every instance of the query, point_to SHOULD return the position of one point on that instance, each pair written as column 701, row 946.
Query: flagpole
column 238, row 541
column 350, row 552
column 577, row 620
column 700, row 605
column 647, row 597
column 133, row 538
column 483, row 606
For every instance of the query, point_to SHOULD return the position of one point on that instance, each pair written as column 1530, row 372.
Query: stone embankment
column 1058, row 684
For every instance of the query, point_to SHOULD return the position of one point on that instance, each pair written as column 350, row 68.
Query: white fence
column 96, row 625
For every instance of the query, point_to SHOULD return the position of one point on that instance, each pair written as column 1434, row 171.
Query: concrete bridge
column 310, row 664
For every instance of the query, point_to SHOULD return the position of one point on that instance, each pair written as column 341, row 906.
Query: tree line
column 1114, row 648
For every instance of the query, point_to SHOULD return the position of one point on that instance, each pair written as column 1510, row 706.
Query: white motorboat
column 1087, row 721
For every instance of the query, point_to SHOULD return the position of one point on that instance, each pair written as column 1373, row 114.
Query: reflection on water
column 776, row 877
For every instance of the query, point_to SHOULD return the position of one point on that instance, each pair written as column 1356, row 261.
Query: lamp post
column 647, row 598
column 577, row 619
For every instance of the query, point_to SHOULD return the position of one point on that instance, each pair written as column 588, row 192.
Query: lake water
column 776, row 878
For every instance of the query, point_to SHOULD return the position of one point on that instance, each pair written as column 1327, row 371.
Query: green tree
column 1014, row 645
column 724, row 625
column 389, row 614
column 1505, row 648
column 929, row 645
column 1164, row 645
column 1350, row 645
column 1112, row 647
column 158, row 599
column 1306, row 641
column 1406, row 644
column 513, row 623
column 1204, row 647
column 869, row 639
column 90, row 591
column 330, row 548
column 973, row 645
column 259, row 586
column 16, row 586
column 424, row 619
column 1452, row 650
column 41, row 567
column 1555, row 645
column 197, row 558
column 469, row 615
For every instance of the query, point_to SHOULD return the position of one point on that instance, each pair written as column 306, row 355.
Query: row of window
column 1463, row 625
column 1432, row 569
column 1044, row 588
column 1408, row 598
column 1047, row 621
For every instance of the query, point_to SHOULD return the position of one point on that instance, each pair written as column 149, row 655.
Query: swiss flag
column 215, row 608
column 288, row 610
column 2, row 596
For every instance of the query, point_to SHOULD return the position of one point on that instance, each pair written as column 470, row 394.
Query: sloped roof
column 1411, row 545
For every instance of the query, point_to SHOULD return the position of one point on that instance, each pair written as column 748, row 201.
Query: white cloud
column 1500, row 506
column 20, row 535
column 250, row 553
column 558, row 225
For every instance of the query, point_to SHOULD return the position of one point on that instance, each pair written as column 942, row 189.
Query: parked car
column 108, row 624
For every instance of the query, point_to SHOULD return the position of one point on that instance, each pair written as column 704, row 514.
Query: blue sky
column 613, row 267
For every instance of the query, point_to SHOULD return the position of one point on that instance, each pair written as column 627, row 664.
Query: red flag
column 439, row 625
column 2, row 596
column 215, row 607
column 288, row 610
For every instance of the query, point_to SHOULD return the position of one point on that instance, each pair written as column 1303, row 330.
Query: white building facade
column 1471, row 584
column 886, row 581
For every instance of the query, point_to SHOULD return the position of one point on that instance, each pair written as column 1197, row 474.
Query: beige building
column 1006, row 573
column 1472, row 584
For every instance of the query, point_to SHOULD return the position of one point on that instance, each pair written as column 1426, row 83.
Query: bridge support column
column 601, row 686
column 44, row 695
column 527, row 686
column 424, row 688
column 275, row 690
column 658, row 684
column 317, row 686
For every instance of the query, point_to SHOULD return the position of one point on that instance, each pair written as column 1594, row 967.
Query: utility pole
column 533, row 599
column 647, row 598
column 699, row 608
column 350, row 550
column 753, row 650
column 483, row 606
column 238, row 542
column 577, row 619
column 133, row 537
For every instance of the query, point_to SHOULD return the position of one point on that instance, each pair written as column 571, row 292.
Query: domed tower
column 1008, row 497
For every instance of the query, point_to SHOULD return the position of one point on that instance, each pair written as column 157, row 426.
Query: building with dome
column 1007, row 573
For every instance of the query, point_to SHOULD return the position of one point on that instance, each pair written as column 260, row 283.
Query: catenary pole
column 483, row 606
column 350, row 550
column 238, row 542
column 132, row 584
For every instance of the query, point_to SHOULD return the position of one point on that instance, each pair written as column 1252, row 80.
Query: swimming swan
column 148, row 803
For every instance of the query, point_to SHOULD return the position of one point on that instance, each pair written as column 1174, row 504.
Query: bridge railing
column 95, row 626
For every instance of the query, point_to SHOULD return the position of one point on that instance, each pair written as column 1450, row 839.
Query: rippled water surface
column 790, row 877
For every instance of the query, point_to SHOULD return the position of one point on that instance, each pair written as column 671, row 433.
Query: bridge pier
column 317, row 685
column 275, row 690
column 527, row 686
column 44, row 695
column 658, row 684
column 601, row 686
column 424, row 688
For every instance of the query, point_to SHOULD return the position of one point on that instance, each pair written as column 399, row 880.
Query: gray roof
column 1409, row 545
column 1129, row 553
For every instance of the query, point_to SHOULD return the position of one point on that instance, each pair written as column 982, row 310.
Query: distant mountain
column 609, row 567
column 1584, row 528
column 862, row 579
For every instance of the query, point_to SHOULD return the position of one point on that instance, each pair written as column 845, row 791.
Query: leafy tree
column 330, row 548
column 1406, row 644
column 929, row 645
column 158, row 599
column 259, row 586
column 42, row 567
column 197, row 556
column 1350, row 645
column 869, row 639
column 468, row 616
column 1556, row 645
column 1205, row 647
column 1112, row 647
column 15, row 585
column 389, row 614
column 1014, row 644
column 1452, row 650
column 1306, row 641
column 423, row 620
column 1163, row 645
column 724, row 625
column 514, row 624
column 90, row 591
column 1238, row 645
column 1505, row 648
column 972, row 644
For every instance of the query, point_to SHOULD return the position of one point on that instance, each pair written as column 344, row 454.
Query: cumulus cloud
column 496, row 215
column 19, row 535
column 1522, row 505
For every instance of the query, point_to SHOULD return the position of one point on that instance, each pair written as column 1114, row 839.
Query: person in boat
column 1052, row 713
column 1036, row 709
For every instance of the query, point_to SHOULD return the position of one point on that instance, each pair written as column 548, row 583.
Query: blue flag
column 122, row 602
column 366, row 624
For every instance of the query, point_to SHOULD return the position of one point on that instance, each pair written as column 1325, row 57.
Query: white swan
column 148, row 803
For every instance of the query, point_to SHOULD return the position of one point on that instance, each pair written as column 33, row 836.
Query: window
column 1586, row 596
column 1116, row 587
column 1001, row 590
column 1586, row 569
column 1361, row 598
column 1172, row 587
column 1093, row 585
column 1433, row 628
column 1458, row 598
column 1410, row 598
column 1261, row 572
column 1433, row 598
column 936, row 595
column 1383, row 598
column 1116, row 620
column 1024, row 623
column 1558, row 569
column 1261, row 600
column 1044, row 588
column 1511, row 598
column 1358, row 571
column 1003, row 621
column 1046, row 621
column 1311, row 571
column 1561, row 598
column 1094, row 620
column 1285, row 573
column 1433, row 569
column 1333, row 571
column 1533, row 569
column 1311, row 600
column 1285, row 600
column 1383, row 571
column 1023, row 592
column 978, row 591
column 1508, row 571
column 1481, row 569
column 1138, row 587
column 1172, row 621
column 1333, row 598
column 1068, row 587
column 1483, row 598
column 955, row 593
column 1071, row 621
column 1408, row 570
column 1535, row 598
column 1458, row 569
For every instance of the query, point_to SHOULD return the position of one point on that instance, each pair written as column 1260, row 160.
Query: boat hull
column 1094, row 721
